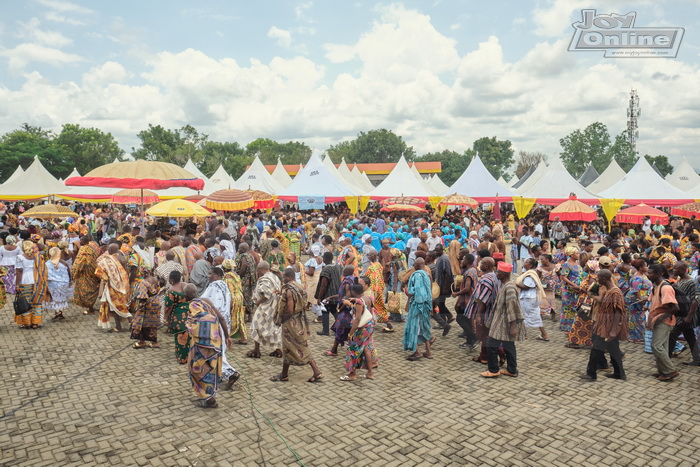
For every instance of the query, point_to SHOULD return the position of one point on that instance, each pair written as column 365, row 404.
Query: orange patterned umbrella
column 458, row 200
column 404, row 200
column 573, row 210
column 405, row 208
column 262, row 200
column 230, row 200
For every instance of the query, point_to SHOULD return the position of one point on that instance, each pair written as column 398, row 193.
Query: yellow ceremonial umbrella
column 49, row 211
column 177, row 208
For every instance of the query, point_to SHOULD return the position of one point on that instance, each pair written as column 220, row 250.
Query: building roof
column 372, row 169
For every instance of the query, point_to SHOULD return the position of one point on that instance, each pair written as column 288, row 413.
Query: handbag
column 393, row 303
column 365, row 318
column 583, row 311
column 21, row 305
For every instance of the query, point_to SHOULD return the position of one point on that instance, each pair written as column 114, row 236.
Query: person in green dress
column 176, row 310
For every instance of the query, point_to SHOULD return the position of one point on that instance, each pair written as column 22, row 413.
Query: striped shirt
column 485, row 292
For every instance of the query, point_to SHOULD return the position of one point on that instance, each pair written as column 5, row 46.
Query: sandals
column 488, row 374
column 182, row 361
column 279, row 378
column 347, row 378
column 207, row 404
column 388, row 330
column 543, row 339
column 58, row 316
column 414, row 358
column 277, row 354
column 139, row 346
column 328, row 353
column 253, row 354
column 315, row 378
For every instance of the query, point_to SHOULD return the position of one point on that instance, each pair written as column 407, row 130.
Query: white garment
column 27, row 267
column 531, row 311
column 220, row 297
column 7, row 257
column 228, row 250
column 412, row 245
column 433, row 242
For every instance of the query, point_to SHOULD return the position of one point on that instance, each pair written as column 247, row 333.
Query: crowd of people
column 250, row 279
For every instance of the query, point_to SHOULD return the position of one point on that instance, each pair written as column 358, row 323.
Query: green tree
column 375, row 146
column 497, row 155
column 453, row 163
column 174, row 146
column 623, row 152
column 87, row 148
column 292, row 152
column 583, row 147
column 231, row 155
column 527, row 159
column 19, row 147
column 661, row 162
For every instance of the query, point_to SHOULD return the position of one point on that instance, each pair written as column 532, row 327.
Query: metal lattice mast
column 633, row 113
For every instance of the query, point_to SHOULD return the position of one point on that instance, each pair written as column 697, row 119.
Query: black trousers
column 492, row 346
column 597, row 360
column 331, row 309
column 468, row 327
column 444, row 311
column 689, row 334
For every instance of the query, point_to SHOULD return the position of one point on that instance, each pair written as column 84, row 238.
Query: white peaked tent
column 399, row 182
column 424, row 180
column 643, row 184
column 35, row 182
column 281, row 176
column 534, row 177
column 437, row 184
column 610, row 176
column 189, row 166
column 18, row 171
column 347, row 175
column 589, row 176
column 221, row 180
column 315, row 180
column 513, row 181
column 258, row 178
column 333, row 170
column 478, row 183
column 684, row 177
column 362, row 180
column 86, row 193
column 502, row 181
column 555, row 185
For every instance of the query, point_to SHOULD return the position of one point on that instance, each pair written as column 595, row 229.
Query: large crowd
column 252, row 279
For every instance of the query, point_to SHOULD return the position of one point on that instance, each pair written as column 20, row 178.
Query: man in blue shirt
column 380, row 224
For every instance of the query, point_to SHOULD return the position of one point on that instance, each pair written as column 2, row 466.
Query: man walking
column 445, row 279
column 687, row 307
column 609, row 329
column 661, row 321
column 505, row 325
column 263, row 329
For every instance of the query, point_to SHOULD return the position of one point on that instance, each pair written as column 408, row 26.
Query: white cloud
column 401, row 74
column 31, row 30
column 301, row 9
column 59, row 18
column 281, row 36
column 455, row 26
column 26, row 53
column 64, row 6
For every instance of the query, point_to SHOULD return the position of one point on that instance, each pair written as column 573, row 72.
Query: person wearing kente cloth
column 176, row 307
column 505, row 324
column 180, row 255
column 233, row 282
column 245, row 268
column 144, row 326
column 86, row 283
column 31, row 283
column 114, row 289
column 207, row 336
column 263, row 329
column 294, row 329
column 609, row 329
column 420, row 304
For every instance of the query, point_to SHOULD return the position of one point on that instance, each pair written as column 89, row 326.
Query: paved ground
column 73, row 395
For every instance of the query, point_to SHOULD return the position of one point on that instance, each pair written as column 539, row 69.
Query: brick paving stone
column 133, row 407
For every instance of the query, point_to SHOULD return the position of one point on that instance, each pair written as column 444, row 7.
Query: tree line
column 87, row 148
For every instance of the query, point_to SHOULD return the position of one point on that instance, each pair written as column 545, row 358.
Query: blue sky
column 440, row 73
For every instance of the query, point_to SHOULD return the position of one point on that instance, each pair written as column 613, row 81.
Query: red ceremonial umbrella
column 573, row 210
column 637, row 214
column 135, row 197
column 687, row 210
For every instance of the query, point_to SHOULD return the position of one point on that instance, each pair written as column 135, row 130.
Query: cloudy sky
column 440, row 73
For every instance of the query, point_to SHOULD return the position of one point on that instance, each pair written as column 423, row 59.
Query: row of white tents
column 320, row 178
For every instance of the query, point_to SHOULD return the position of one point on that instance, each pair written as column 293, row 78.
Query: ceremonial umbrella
column 229, row 200
column 404, row 208
column 48, row 211
column 135, row 197
column 458, row 200
column 404, row 200
column 636, row 215
column 262, row 200
column 139, row 174
column 573, row 210
column 177, row 208
column 687, row 210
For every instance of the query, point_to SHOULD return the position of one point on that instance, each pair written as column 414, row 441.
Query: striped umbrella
column 230, row 200
column 48, row 211
column 458, row 200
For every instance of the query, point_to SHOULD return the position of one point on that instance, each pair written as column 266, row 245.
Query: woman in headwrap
column 233, row 282
column 176, row 312
column 581, row 333
column 31, row 283
column 570, row 275
column 58, row 275
column 8, row 258
column 313, row 273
